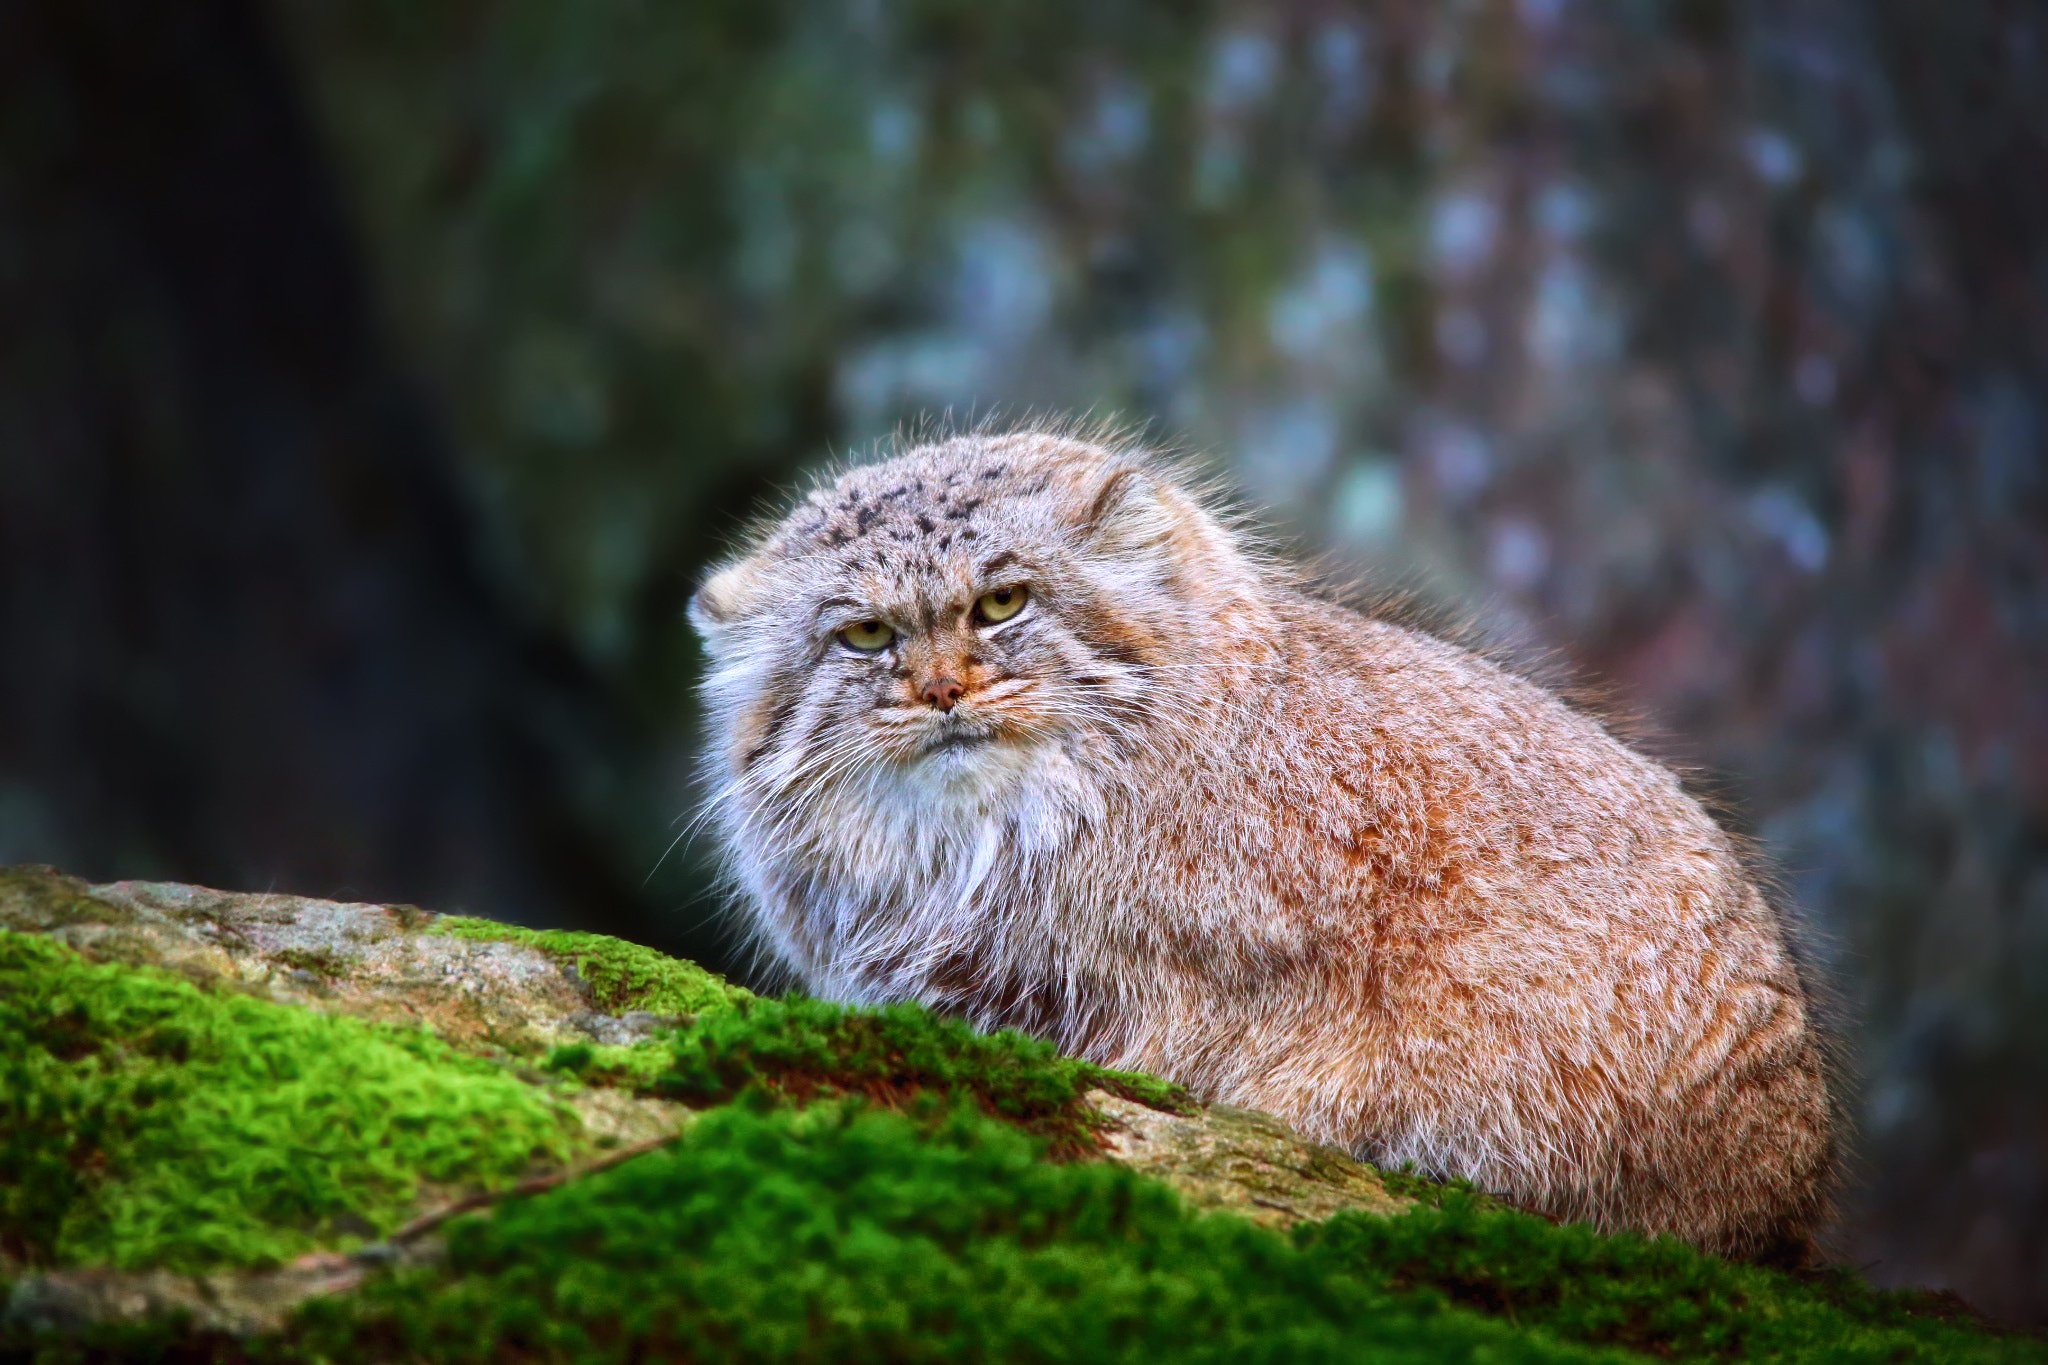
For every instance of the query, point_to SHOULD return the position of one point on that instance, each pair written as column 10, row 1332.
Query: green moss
column 622, row 976
column 639, row 1067
column 145, row 1121
column 1657, row 1297
column 803, row 1048
column 1409, row 1183
column 834, row 1234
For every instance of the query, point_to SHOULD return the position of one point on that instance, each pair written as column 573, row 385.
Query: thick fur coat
column 1178, row 813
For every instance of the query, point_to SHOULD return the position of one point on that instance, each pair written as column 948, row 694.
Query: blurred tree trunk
column 245, row 638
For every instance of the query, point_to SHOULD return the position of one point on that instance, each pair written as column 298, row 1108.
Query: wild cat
column 1014, row 726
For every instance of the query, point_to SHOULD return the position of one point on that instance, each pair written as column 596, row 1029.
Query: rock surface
column 379, row 962
column 515, row 999
column 1243, row 1162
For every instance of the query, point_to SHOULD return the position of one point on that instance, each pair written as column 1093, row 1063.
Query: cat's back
column 1376, row 760
column 1433, row 858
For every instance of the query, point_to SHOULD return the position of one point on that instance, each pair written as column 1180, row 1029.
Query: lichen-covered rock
column 472, row 981
column 525, row 995
column 237, row 1126
column 525, row 992
column 68, row 1303
column 1243, row 1162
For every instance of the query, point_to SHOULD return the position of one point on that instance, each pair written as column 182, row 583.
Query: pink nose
column 943, row 693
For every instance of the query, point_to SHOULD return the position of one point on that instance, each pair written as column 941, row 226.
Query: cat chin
column 968, row 761
column 957, row 742
column 971, row 765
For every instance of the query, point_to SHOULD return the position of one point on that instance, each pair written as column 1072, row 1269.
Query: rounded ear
column 1130, row 509
column 723, row 598
column 1108, row 494
column 1123, row 508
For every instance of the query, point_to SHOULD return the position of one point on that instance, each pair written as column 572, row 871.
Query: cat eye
column 868, row 637
column 1000, row 605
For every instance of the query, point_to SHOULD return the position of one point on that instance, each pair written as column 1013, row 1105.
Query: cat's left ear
column 1133, row 512
column 1115, row 506
column 1127, row 509
column 1105, row 495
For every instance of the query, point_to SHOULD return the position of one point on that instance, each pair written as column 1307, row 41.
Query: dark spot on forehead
column 925, row 511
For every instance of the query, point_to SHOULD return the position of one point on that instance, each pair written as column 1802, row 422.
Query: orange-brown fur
column 1193, row 818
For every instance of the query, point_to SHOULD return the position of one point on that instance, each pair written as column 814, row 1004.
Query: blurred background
column 376, row 378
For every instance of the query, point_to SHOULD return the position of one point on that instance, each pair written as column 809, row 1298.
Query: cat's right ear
column 723, row 599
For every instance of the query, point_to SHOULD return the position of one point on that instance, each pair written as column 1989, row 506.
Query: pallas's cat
column 1013, row 726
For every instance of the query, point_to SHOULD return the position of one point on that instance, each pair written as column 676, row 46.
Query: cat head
column 948, row 613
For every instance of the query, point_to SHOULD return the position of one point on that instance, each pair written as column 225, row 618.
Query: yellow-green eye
column 867, row 636
column 1000, row 605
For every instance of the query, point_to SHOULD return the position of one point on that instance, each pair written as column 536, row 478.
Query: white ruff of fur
column 919, row 861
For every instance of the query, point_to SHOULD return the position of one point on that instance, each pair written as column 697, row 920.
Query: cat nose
column 943, row 693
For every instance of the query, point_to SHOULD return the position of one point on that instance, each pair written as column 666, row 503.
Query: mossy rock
column 479, row 985
column 265, row 1127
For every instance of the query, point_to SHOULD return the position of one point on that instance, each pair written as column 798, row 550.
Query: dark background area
column 375, row 378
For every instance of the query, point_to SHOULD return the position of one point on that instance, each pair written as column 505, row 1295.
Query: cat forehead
column 924, row 512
